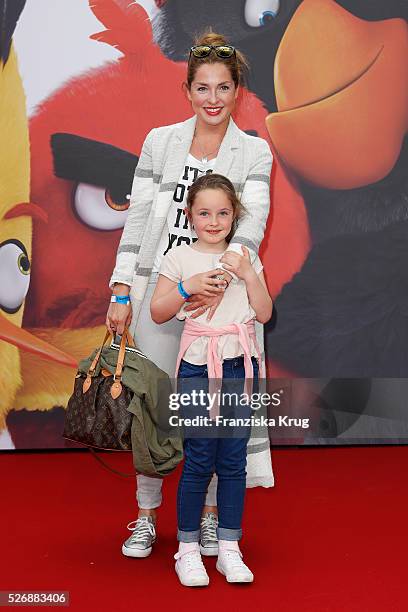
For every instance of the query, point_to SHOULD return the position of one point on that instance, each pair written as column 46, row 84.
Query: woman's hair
column 217, row 181
column 237, row 63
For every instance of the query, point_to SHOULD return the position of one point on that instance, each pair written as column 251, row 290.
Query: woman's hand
column 200, row 304
column 240, row 265
column 118, row 317
column 205, row 284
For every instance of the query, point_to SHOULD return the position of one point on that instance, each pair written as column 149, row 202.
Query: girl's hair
column 237, row 63
column 217, row 181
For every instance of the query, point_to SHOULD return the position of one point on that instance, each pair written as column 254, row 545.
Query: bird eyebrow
column 27, row 209
column 85, row 160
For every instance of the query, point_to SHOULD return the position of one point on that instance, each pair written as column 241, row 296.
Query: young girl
column 222, row 346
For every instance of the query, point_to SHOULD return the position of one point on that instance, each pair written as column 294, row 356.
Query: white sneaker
column 143, row 537
column 190, row 569
column 231, row 565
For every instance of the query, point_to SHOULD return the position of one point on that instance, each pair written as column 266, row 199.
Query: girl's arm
column 258, row 295
column 167, row 300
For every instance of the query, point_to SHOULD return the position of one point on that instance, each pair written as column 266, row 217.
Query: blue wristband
column 120, row 299
column 182, row 291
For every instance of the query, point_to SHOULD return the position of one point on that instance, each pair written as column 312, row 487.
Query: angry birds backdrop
column 328, row 88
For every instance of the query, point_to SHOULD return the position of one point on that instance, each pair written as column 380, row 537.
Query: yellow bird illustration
column 16, row 213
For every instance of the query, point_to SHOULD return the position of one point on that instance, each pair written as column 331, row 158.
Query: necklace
column 205, row 155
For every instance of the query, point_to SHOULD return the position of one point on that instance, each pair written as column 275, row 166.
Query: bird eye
column 96, row 207
column 261, row 12
column 14, row 275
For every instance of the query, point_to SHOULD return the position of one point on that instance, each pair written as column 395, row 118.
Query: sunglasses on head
column 222, row 51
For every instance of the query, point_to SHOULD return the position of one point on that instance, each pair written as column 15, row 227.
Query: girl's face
column 213, row 93
column 212, row 215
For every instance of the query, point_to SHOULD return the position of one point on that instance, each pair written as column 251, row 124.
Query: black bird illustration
column 254, row 26
column 345, row 313
column 341, row 130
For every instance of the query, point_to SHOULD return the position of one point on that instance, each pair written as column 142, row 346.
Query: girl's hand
column 118, row 316
column 201, row 304
column 205, row 284
column 240, row 265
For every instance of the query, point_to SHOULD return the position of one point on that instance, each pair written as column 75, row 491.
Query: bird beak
column 342, row 94
column 22, row 339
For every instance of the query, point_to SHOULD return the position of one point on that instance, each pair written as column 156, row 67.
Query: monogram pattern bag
column 97, row 414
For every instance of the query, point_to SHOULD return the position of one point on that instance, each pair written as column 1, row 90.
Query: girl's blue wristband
column 182, row 291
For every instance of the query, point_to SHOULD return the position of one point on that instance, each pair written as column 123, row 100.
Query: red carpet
column 331, row 536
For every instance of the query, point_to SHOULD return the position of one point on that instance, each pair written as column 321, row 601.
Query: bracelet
column 221, row 277
column 120, row 299
column 233, row 276
column 182, row 291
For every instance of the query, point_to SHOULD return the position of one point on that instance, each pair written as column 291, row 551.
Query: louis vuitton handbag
column 121, row 402
column 97, row 413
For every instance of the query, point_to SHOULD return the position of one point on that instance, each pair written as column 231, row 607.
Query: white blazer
column 245, row 160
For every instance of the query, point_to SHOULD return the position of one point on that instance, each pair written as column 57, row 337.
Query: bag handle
column 121, row 357
column 92, row 367
column 94, row 363
column 130, row 342
column 116, row 388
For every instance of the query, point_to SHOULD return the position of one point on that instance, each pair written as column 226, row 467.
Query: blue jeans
column 226, row 456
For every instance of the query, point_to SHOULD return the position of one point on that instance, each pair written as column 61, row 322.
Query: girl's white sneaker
column 190, row 569
column 231, row 565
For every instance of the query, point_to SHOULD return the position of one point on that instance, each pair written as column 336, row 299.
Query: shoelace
column 192, row 559
column 141, row 530
column 209, row 524
column 234, row 557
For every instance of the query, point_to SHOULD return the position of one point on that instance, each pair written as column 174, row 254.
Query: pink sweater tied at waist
column 245, row 331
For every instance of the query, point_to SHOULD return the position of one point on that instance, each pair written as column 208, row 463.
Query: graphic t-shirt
column 177, row 230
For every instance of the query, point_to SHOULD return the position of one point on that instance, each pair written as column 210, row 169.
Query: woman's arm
column 120, row 315
column 256, row 199
column 141, row 200
column 167, row 300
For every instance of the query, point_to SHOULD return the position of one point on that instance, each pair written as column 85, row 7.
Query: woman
column 172, row 158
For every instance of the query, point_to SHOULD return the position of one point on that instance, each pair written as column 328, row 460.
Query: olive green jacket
column 157, row 448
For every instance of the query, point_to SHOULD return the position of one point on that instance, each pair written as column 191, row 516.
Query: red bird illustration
column 85, row 141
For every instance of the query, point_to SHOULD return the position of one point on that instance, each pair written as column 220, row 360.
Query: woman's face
column 213, row 93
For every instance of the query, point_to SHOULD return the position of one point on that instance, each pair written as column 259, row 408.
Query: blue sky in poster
column 53, row 45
